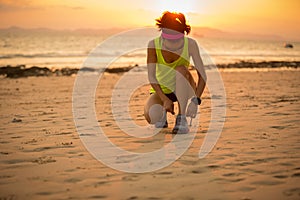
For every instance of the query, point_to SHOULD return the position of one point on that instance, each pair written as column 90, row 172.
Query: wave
column 252, row 55
column 132, row 55
column 41, row 55
column 58, row 55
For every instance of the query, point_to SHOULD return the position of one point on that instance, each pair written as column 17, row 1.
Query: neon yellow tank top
column 165, row 72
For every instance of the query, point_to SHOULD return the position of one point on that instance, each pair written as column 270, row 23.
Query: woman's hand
column 169, row 106
column 192, row 110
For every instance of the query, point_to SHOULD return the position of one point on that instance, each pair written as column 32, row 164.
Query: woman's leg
column 185, row 87
column 153, row 110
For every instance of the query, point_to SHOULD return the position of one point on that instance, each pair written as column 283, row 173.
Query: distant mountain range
column 216, row 33
column 16, row 29
column 205, row 32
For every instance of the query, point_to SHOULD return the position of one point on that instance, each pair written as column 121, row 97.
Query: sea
column 60, row 49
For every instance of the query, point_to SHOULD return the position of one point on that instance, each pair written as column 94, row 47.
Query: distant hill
column 19, row 30
column 205, row 32
column 216, row 33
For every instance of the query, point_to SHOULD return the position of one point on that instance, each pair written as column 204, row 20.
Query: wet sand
column 256, row 157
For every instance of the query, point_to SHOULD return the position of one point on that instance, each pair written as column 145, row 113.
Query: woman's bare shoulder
column 192, row 42
column 193, row 46
column 151, row 44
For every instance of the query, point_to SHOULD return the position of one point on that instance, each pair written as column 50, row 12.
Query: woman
column 168, row 59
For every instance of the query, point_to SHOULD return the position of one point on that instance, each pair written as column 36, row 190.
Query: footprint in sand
column 267, row 182
column 44, row 193
column 198, row 171
column 130, row 178
column 16, row 120
column 44, row 160
column 72, row 180
column 281, row 176
column 164, row 173
column 246, row 189
column 292, row 192
column 296, row 175
column 9, row 197
column 98, row 197
column 133, row 198
column 232, row 174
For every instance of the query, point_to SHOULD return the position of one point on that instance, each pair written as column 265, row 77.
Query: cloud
column 69, row 7
column 17, row 5
column 29, row 5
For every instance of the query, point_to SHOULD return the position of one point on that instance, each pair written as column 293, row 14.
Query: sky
column 276, row 17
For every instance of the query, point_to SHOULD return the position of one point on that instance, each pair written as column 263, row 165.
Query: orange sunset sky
column 278, row 17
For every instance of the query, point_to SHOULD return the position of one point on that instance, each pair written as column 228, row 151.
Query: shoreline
column 20, row 71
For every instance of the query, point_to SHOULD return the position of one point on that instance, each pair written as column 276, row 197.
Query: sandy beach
column 257, row 156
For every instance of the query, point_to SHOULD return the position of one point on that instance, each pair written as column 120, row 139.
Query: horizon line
column 248, row 35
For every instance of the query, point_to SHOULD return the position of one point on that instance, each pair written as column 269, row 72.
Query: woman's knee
column 154, row 114
column 153, row 109
column 183, row 72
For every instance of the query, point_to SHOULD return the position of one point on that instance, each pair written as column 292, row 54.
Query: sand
column 256, row 157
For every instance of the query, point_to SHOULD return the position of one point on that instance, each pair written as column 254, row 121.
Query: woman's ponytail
column 173, row 21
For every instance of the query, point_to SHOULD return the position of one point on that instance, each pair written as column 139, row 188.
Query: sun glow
column 183, row 6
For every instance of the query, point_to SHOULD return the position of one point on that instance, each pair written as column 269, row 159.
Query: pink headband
column 171, row 36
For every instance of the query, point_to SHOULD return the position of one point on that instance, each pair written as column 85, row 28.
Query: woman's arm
column 151, row 65
column 195, row 54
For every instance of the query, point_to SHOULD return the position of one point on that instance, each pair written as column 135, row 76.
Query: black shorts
column 171, row 96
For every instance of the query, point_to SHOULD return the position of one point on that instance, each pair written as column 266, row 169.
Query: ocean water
column 69, row 49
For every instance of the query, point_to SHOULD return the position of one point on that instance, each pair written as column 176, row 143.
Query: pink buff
column 171, row 36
